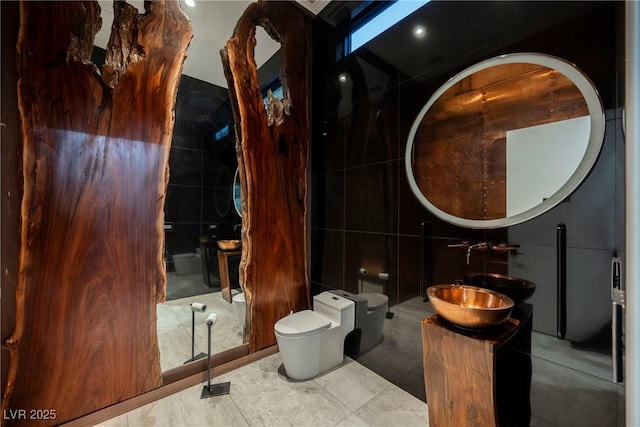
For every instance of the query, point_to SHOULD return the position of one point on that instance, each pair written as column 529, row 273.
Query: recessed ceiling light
column 190, row 3
column 419, row 32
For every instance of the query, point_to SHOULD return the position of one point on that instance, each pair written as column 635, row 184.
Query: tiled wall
column 363, row 211
column 199, row 194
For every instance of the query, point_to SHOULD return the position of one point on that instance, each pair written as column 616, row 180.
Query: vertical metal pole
column 632, row 161
column 209, row 359
column 423, row 290
column 561, row 280
column 193, row 335
column 426, row 260
column 617, row 300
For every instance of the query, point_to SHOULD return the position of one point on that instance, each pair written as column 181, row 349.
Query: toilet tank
column 338, row 309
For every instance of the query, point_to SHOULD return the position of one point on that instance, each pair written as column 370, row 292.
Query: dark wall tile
column 182, row 204
column 328, row 151
column 370, row 130
column 328, row 203
column 185, row 167
column 184, row 238
column 371, row 197
column 376, row 254
column 217, row 205
column 408, row 267
column 327, row 251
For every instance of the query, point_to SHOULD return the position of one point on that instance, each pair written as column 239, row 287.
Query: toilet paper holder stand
column 219, row 389
column 200, row 308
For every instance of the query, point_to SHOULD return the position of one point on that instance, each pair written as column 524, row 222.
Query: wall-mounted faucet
column 464, row 245
column 504, row 247
column 480, row 246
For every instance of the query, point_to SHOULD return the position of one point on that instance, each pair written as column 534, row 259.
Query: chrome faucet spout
column 480, row 246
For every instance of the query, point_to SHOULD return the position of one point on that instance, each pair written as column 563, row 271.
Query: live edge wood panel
column 95, row 153
column 273, row 167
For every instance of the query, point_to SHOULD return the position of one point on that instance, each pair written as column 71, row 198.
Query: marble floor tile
column 261, row 395
column 266, row 397
column 187, row 408
column 394, row 407
column 353, row 421
column 352, row 384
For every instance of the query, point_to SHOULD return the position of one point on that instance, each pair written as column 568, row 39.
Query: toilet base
column 304, row 359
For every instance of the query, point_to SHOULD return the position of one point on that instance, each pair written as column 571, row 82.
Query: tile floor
column 569, row 387
column 261, row 395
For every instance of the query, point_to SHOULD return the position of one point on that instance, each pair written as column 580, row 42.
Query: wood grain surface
column 272, row 162
column 95, row 154
column 460, row 372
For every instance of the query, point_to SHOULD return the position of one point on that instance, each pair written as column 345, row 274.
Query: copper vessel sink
column 470, row 306
column 229, row 245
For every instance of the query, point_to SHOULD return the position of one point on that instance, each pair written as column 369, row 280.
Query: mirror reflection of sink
column 229, row 245
column 470, row 306
column 519, row 290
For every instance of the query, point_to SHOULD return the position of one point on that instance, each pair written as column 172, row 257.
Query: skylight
column 381, row 22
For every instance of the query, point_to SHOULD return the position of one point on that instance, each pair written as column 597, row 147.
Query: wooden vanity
column 478, row 378
column 223, row 264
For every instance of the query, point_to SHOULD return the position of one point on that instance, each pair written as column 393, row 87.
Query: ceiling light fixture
column 190, row 3
column 419, row 32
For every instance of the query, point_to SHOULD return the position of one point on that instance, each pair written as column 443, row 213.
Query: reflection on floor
column 174, row 328
column 260, row 395
column 569, row 387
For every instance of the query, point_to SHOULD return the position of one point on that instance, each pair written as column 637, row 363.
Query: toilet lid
column 302, row 322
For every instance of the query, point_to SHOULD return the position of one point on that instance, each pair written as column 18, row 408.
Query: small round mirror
column 237, row 195
column 505, row 140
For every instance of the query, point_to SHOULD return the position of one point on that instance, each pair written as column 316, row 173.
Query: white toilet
column 239, row 304
column 311, row 342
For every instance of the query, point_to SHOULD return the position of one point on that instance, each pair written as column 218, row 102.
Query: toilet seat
column 301, row 323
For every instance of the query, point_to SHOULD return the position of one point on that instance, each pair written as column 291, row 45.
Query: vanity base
column 223, row 263
column 478, row 378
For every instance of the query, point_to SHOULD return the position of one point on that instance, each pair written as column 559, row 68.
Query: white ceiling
column 213, row 22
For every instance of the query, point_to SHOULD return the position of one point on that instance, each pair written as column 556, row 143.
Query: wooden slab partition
column 95, row 153
column 272, row 150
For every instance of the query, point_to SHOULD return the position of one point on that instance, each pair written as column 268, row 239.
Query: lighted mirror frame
column 596, row 138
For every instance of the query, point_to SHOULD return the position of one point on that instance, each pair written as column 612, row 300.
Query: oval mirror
column 237, row 193
column 505, row 140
